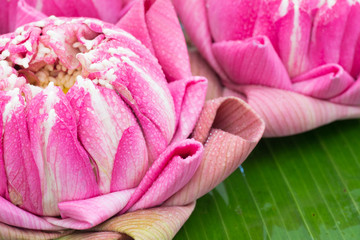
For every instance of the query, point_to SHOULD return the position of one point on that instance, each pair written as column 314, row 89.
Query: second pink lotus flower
column 295, row 62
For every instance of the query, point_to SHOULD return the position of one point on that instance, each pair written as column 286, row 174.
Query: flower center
column 56, row 73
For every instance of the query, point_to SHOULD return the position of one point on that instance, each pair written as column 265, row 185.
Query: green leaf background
column 301, row 187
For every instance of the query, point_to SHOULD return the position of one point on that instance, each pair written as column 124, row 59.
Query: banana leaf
column 301, row 187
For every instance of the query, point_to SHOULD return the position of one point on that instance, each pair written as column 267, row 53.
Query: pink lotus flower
column 96, row 123
column 294, row 62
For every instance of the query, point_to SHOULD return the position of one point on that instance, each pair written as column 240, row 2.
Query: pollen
column 58, row 74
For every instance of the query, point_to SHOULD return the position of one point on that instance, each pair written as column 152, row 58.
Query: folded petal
column 286, row 113
column 17, row 217
column 229, row 129
column 87, row 213
column 324, row 82
column 189, row 96
column 23, row 180
column 105, row 235
column 53, row 136
column 102, row 119
column 169, row 173
column 351, row 96
column 10, row 233
column 151, row 224
column 200, row 68
column 252, row 61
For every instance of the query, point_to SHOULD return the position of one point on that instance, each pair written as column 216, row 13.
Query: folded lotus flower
column 102, row 136
column 295, row 62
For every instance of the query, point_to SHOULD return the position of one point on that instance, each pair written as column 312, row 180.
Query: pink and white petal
column 23, row 181
column 229, row 130
column 14, row 216
column 252, row 61
column 351, row 96
column 168, row 40
column 151, row 224
column 287, row 113
column 169, row 173
column 131, row 160
column 53, row 136
column 237, row 24
column 189, row 97
column 102, row 117
column 200, row 68
column 134, row 22
column 105, row 235
column 13, row 233
column 193, row 15
column 26, row 13
column 87, row 213
column 293, row 38
column 324, row 82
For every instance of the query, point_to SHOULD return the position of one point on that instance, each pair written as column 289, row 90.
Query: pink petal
column 169, row 173
column 286, row 113
column 232, row 20
column 102, row 119
column 168, row 40
column 350, row 45
column 155, row 223
column 229, row 129
column 324, row 82
column 200, row 68
column 17, row 217
column 84, row 214
column 131, row 160
column 189, row 97
column 26, row 13
column 252, row 61
column 7, row 16
column 193, row 15
column 53, row 136
column 134, row 22
column 23, row 182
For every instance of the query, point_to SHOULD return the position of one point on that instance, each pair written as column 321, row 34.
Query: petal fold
column 229, row 129
column 189, row 97
column 87, row 213
column 169, row 173
column 324, row 82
